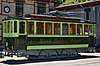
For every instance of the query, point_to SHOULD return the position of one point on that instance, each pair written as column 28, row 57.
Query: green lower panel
column 56, row 46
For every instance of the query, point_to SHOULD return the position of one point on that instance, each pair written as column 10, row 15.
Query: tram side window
column 48, row 28
column 40, row 28
column 31, row 28
column 90, row 30
column 11, row 27
column 0, row 31
column 72, row 29
column 64, row 29
column 15, row 26
column 22, row 27
column 8, row 26
column 57, row 28
column 86, row 29
column 79, row 29
column 5, row 29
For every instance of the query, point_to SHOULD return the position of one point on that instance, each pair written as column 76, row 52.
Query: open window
column 40, row 28
column 21, row 27
column 79, row 29
column 8, row 27
column 4, row 27
column 57, row 28
column 64, row 29
column 90, row 29
column 0, row 29
column 31, row 28
column 86, row 29
column 72, row 29
column 15, row 26
column 48, row 28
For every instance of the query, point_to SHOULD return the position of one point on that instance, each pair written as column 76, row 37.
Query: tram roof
column 49, row 18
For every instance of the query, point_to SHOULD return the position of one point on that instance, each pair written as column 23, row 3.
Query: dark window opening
column 31, row 28
column 19, row 8
column 72, row 29
column 64, row 29
column 15, row 26
column 86, row 29
column 90, row 29
column 0, row 29
column 48, row 28
column 79, row 29
column 41, row 8
column 57, row 28
column 87, row 10
column 8, row 26
column 40, row 28
column 22, row 27
column 11, row 26
column 5, row 27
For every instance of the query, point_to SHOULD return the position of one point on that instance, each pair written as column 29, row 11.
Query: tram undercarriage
column 49, row 54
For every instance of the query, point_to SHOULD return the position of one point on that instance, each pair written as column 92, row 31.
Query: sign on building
column 8, row 8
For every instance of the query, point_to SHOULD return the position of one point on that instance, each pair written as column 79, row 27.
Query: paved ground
column 92, row 59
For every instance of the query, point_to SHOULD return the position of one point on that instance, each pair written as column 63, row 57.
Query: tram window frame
column 22, row 27
column 4, row 28
column 30, row 27
column 64, row 29
column 90, row 30
column 48, row 28
column 11, row 24
column 8, row 26
column 0, row 30
column 40, row 27
column 86, row 31
column 79, row 29
column 15, row 26
column 57, row 28
column 72, row 29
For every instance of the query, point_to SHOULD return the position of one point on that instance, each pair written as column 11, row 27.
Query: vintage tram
column 43, row 36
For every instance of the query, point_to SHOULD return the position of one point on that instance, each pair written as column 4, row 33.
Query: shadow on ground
column 25, row 61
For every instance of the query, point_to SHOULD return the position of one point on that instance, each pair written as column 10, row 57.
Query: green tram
column 48, row 36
